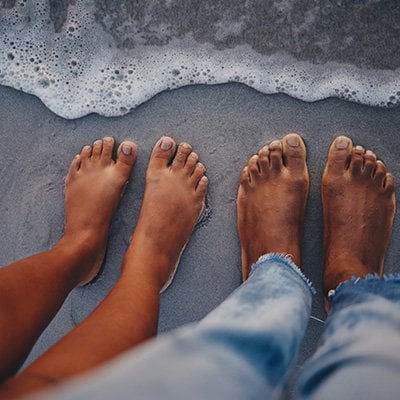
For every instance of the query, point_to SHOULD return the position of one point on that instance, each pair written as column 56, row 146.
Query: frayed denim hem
column 369, row 283
column 285, row 260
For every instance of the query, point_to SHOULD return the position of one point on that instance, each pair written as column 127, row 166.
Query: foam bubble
column 77, row 67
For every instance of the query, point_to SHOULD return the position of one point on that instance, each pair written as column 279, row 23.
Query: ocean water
column 108, row 57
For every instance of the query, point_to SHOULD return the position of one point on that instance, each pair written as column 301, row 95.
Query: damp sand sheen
column 81, row 57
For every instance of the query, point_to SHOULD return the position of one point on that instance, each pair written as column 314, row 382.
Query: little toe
column 263, row 160
column 339, row 155
column 198, row 173
column 86, row 152
column 369, row 163
column 275, row 155
column 179, row 161
column 75, row 165
column 191, row 163
column 96, row 149
column 389, row 184
column 294, row 152
column 201, row 188
column 254, row 169
column 162, row 152
column 126, row 155
column 108, row 146
column 245, row 177
column 380, row 173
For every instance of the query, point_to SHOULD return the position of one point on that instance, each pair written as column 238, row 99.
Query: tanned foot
column 271, row 201
column 93, row 189
column 173, row 200
column 358, row 198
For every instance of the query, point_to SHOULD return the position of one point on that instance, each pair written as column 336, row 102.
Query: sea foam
column 88, row 60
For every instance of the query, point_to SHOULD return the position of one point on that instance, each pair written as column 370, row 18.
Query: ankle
column 342, row 267
column 145, row 263
column 77, row 253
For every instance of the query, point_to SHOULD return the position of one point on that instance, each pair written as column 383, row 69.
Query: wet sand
column 225, row 124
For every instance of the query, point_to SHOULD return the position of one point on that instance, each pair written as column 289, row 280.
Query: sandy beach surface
column 226, row 124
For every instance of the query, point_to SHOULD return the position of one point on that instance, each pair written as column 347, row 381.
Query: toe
column 163, row 152
column 380, row 173
column 191, row 163
column 75, row 165
column 86, row 152
column 253, row 168
column 275, row 155
column 126, row 155
column 357, row 160
column 179, row 161
column 369, row 163
column 108, row 146
column 96, row 149
column 339, row 155
column 389, row 184
column 201, row 188
column 198, row 173
column 245, row 177
column 294, row 152
column 263, row 160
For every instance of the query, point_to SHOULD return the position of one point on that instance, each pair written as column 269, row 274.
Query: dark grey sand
column 226, row 124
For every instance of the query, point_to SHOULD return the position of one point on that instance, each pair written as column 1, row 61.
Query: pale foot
column 173, row 200
column 93, row 189
column 358, row 198
column 271, row 201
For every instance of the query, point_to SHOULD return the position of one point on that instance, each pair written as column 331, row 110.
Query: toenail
column 342, row 143
column 293, row 141
column 186, row 146
column 126, row 149
column 166, row 144
column 108, row 139
column 276, row 144
column 369, row 153
column 87, row 148
column 265, row 149
column 359, row 149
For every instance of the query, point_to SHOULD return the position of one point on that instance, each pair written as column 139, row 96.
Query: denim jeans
column 244, row 348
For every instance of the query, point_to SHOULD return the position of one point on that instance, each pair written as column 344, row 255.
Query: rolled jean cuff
column 357, row 290
column 286, row 262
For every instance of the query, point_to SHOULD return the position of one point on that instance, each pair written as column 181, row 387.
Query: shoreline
column 225, row 124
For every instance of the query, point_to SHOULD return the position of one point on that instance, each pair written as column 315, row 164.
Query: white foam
column 81, row 70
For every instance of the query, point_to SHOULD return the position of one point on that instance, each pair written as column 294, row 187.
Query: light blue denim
column 244, row 348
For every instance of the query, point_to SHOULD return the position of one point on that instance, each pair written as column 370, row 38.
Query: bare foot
column 93, row 189
column 358, row 203
column 271, row 201
column 173, row 200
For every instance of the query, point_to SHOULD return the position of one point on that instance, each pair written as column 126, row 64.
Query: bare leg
column 271, row 201
column 173, row 200
column 358, row 355
column 358, row 198
column 33, row 289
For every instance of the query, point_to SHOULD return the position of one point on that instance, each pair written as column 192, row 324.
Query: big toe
column 162, row 153
column 126, row 155
column 294, row 152
column 339, row 155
